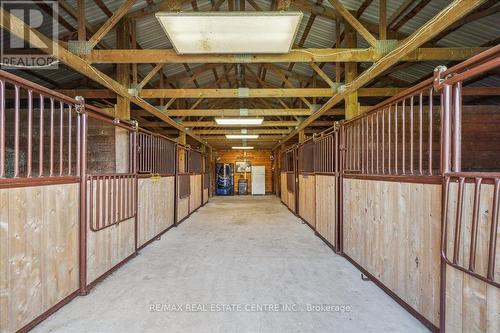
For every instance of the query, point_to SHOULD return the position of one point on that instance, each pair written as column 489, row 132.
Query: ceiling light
column 239, row 121
column 230, row 32
column 246, row 147
column 242, row 136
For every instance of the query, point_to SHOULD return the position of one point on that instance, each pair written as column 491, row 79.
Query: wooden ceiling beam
column 263, row 93
column 169, row 56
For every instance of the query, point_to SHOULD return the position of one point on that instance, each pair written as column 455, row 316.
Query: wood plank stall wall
column 205, row 195
column 472, row 305
column 307, row 199
column 284, row 191
column 108, row 247
column 38, row 251
column 326, row 209
column 155, row 207
column 195, row 196
column 392, row 230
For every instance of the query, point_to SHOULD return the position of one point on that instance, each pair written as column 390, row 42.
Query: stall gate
column 191, row 186
column 289, row 178
column 306, row 189
column 80, row 194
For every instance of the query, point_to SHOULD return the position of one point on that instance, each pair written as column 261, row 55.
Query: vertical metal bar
column 457, row 127
column 51, row 172
column 431, row 102
column 458, row 220
column 411, row 135
column 83, row 204
column 61, row 136
column 372, row 143
column 421, row 134
column 30, row 133
column 16, row 132
column 70, row 142
column 78, row 142
column 91, row 202
column 396, row 139
column 97, row 180
column 403, row 136
column 493, row 231
column 364, row 146
column 378, row 149
column 389, row 139
column 383, row 141
column 475, row 221
column 446, row 103
column 108, row 202
column 367, row 134
column 2, row 128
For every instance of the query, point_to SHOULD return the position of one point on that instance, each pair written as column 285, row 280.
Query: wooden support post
column 337, row 45
column 182, row 153
column 351, row 72
column 122, row 108
column 382, row 19
column 302, row 136
column 123, row 70
column 82, row 30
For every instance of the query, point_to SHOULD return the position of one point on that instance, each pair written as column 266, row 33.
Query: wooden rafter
column 353, row 21
column 110, row 23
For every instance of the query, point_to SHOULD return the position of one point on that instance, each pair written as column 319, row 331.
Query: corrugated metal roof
column 321, row 35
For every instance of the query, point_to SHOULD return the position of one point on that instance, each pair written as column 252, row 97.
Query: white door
column 258, row 180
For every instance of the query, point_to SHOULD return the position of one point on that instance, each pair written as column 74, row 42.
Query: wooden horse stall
column 112, row 193
column 288, row 178
column 40, row 170
column 391, row 198
column 327, row 189
column 307, row 183
column 471, row 167
column 156, row 185
column 196, row 170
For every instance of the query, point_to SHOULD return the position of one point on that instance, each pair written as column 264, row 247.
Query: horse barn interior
column 250, row 166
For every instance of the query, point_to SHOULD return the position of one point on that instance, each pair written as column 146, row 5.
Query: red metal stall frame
column 449, row 82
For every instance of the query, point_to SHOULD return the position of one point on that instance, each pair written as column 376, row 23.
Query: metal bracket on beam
column 133, row 91
column 314, row 107
column 243, row 112
column 243, row 58
column 243, row 92
column 385, row 46
column 79, row 47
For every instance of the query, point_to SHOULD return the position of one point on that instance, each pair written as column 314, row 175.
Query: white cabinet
column 258, row 180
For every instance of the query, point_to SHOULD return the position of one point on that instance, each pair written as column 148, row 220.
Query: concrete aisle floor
column 235, row 251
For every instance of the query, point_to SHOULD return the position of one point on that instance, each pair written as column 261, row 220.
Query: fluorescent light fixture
column 242, row 136
column 239, row 121
column 230, row 32
column 245, row 148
